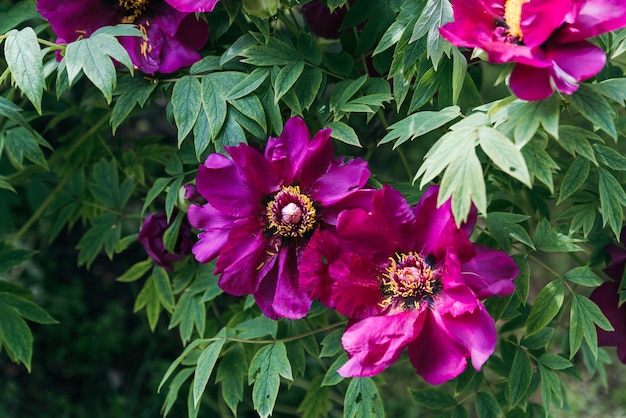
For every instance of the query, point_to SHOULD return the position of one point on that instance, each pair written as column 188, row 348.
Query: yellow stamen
column 135, row 6
column 513, row 16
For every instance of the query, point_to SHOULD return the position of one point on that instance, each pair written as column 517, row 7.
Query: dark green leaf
column 487, row 406
column 575, row 176
column 595, row 108
column 519, row 379
column 331, row 377
column 315, row 402
column 612, row 197
column 548, row 239
column 105, row 232
column 610, row 157
column 26, row 308
column 186, row 101
column 554, row 362
column 433, row 398
column 266, row 367
column 136, row 271
column 545, row 308
column 231, row 372
column 204, row 368
column 15, row 336
column 418, row 124
column 583, row 276
column 362, row 399
column 344, row 133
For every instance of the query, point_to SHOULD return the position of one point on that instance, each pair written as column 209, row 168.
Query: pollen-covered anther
column 290, row 213
column 513, row 17
column 136, row 7
column 408, row 282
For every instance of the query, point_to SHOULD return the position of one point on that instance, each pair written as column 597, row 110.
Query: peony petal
column 574, row 62
column 279, row 295
column 490, row 273
column 530, row 83
column 358, row 199
column 215, row 226
column 339, row 182
column 618, row 258
column 375, row 343
column 594, row 18
column 193, row 5
column 287, row 152
column 181, row 50
column 255, row 170
column 540, row 19
column 436, row 355
column 247, row 256
column 382, row 232
column 70, row 19
column 316, row 160
column 435, row 229
column 221, row 182
column 606, row 296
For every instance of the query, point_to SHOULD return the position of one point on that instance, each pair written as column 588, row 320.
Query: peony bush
column 329, row 194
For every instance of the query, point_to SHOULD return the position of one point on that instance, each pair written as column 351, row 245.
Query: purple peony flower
column 606, row 296
column 171, row 38
column 263, row 208
column 408, row 277
column 546, row 38
column 151, row 236
column 321, row 21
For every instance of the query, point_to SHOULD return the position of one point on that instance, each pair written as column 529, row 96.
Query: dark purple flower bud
column 192, row 194
column 151, row 236
column 322, row 22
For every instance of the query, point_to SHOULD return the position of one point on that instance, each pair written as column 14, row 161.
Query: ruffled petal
column 594, row 18
column 540, row 19
column 490, row 273
column 181, row 50
column 221, row 182
column 574, row 62
column 70, row 19
column 215, row 226
column 436, row 231
column 381, row 232
column 436, row 355
column 358, row 199
column 339, row 182
column 531, row 83
column 193, row 5
column 279, row 295
column 247, row 256
column 375, row 343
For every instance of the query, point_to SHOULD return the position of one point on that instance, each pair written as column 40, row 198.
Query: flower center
column 409, row 281
column 291, row 213
column 134, row 7
column 513, row 16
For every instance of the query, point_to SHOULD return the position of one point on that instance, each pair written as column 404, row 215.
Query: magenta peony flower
column 546, row 38
column 151, row 236
column 263, row 208
column 606, row 296
column 408, row 277
column 172, row 38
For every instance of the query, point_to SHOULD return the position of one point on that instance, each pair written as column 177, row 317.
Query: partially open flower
column 546, row 38
column 151, row 236
column 263, row 209
column 408, row 277
column 172, row 38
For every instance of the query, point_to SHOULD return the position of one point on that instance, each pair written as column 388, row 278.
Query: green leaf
column 231, row 372
column 157, row 188
column 286, row 78
column 504, row 154
column 612, row 197
column 575, row 140
column 15, row 336
column 204, row 368
column 503, row 226
column 94, row 56
column 105, row 232
column 344, row 133
column 136, row 271
column 190, row 312
column 266, row 367
column 20, row 143
column 433, row 398
column 171, row 235
column 436, row 13
column 18, row 13
column 331, row 377
column 610, row 157
column 11, row 257
column 575, row 176
column 548, row 239
column 583, row 276
column 545, row 308
column 315, row 403
column 554, row 362
column 276, row 52
column 191, row 347
column 583, row 315
column 213, row 103
column 487, row 406
column 174, row 388
column 539, row 340
column 331, row 344
column 257, row 327
column 26, row 308
column 249, row 84
column 133, row 91
column 163, row 287
column 594, row 108
column 186, row 102
column 419, row 124
column 23, row 56
column 362, row 399
column 519, row 379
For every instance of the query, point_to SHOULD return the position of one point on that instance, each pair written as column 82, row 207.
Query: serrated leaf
column 583, row 276
column 520, row 378
column 344, row 133
column 545, row 308
column 23, row 57
column 187, row 102
column 574, row 178
column 432, row 398
column 362, row 399
column 266, row 367
column 504, row 154
column 204, row 368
